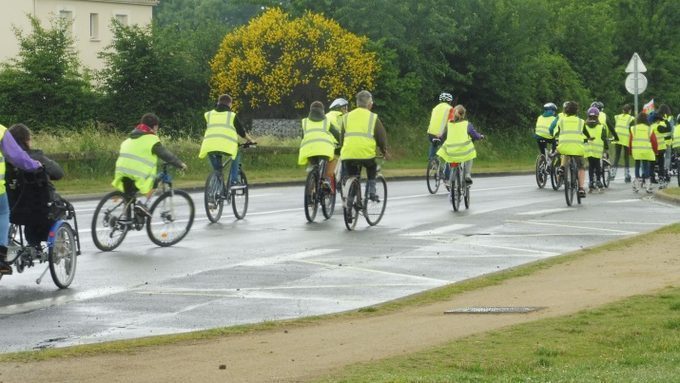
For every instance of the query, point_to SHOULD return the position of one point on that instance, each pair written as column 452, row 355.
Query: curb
column 662, row 195
column 258, row 185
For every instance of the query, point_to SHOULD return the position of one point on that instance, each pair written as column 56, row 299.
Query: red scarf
column 145, row 128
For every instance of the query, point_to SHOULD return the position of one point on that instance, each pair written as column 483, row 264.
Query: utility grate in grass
column 493, row 310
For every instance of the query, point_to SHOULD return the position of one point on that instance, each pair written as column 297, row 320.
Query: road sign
column 634, row 64
column 641, row 83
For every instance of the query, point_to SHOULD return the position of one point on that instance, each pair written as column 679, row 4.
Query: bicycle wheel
column 606, row 173
column 466, row 198
column 556, row 180
column 432, row 176
column 456, row 188
column 541, row 173
column 107, row 231
column 328, row 203
column 311, row 191
column 568, row 185
column 374, row 208
column 352, row 204
column 62, row 256
column 172, row 215
column 574, row 176
column 213, row 199
column 239, row 195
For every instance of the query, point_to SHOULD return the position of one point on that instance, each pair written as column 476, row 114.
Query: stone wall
column 276, row 127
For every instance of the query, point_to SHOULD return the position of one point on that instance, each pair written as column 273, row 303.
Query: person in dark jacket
column 39, row 229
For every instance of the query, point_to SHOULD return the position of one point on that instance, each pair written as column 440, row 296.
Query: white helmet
column 445, row 97
column 338, row 103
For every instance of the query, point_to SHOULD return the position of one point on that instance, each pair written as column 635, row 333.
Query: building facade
column 91, row 22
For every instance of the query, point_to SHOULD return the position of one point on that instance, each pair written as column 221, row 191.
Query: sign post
column 636, row 82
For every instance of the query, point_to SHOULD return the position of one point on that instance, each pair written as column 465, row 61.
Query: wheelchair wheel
column 107, row 232
column 172, row 215
column 62, row 255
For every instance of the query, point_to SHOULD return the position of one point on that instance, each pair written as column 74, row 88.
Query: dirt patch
column 302, row 353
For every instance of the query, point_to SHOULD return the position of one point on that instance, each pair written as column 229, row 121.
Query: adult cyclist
column 362, row 132
column 543, row 123
column 571, row 130
column 440, row 116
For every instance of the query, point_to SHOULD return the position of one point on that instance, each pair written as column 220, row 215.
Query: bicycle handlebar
column 249, row 144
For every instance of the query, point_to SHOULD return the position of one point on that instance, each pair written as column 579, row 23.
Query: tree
column 42, row 87
column 277, row 65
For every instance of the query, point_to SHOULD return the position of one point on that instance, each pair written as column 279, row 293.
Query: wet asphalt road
column 273, row 265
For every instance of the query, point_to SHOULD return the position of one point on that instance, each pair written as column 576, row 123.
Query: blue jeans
column 216, row 162
column 644, row 166
column 4, row 219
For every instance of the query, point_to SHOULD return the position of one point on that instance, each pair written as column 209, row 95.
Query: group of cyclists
column 648, row 138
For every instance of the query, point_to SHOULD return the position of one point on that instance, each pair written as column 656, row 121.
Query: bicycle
column 436, row 171
column 460, row 190
column 542, row 172
column 235, row 192
column 354, row 204
column 605, row 169
column 318, row 190
column 556, row 179
column 169, row 220
column 571, row 182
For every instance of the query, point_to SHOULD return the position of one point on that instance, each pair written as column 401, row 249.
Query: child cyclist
column 594, row 148
column 458, row 147
column 319, row 139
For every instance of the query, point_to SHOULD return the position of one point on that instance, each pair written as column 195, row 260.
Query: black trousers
column 353, row 167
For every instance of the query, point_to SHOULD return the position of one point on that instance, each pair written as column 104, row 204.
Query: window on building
column 122, row 19
column 67, row 16
column 94, row 26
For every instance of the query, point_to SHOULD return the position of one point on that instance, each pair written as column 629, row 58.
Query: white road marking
column 437, row 230
column 624, row 200
column 573, row 226
column 545, row 253
column 545, row 211
column 267, row 261
column 348, row 267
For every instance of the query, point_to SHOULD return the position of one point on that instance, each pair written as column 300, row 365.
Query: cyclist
column 338, row 108
column 624, row 123
column 643, row 144
column 662, row 129
column 458, row 146
column 571, row 130
column 137, row 160
column 362, row 131
column 221, row 136
column 39, row 228
column 440, row 116
column 542, row 131
column 594, row 148
column 319, row 138
column 13, row 153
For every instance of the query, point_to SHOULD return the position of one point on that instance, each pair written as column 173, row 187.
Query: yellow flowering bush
column 277, row 65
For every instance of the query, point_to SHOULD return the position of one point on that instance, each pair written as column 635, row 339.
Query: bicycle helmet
column 593, row 111
column 445, row 97
column 550, row 106
column 597, row 104
column 338, row 103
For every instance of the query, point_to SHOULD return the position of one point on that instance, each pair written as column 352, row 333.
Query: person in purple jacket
column 12, row 152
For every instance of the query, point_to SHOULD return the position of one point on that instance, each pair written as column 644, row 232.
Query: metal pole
column 635, row 73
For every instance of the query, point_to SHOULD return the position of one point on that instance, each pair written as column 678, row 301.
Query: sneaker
column 5, row 268
column 627, row 179
column 142, row 209
column 581, row 193
column 636, row 185
column 373, row 197
column 468, row 180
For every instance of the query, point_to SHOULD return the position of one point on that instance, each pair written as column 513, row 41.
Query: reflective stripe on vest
column 137, row 162
column 317, row 140
column 458, row 146
column 642, row 144
column 439, row 118
column 571, row 136
column 595, row 147
column 623, row 123
column 543, row 126
column 220, row 134
column 359, row 138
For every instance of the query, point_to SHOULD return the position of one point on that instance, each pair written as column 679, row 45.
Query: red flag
column 648, row 107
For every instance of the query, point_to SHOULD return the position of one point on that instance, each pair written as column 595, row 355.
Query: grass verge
column 443, row 293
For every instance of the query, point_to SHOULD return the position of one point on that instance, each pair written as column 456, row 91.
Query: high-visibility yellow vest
column 642, row 144
column 220, row 135
column 359, row 138
column 676, row 137
column 543, row 126
column 137, row 162
column 623, row 125
column 668, row 136
column 458, row 146
column 602, row 117
column 571, row 136
column 3, row 130
column 439, row 118
column 335, row 119
column 317, row 140
column 595, row 147
column 660, row 140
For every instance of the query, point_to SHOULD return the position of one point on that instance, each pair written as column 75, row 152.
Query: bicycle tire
column 606, row 173
column 375, row 209
column 456, row 188
column 109, row 221
column 328, row 203
column 311, row 201
column 568, row 185
column 556, row 180
column 432, row 177
column 239, row 195
column 541, row 166
column 574, row 174
column 62, row 256
column 172, row 209
column 466, row 198
column 352, row 203
column 213, row 199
